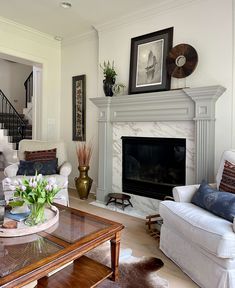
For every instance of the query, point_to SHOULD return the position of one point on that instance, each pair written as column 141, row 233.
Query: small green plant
column 118, row 88
column 108, row 70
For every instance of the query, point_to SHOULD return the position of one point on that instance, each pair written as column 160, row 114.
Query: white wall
column 80, row 56
column 27, row 46
column 207, row 26
column 12, row 78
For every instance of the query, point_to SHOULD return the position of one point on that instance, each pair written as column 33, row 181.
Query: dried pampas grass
column 84, row 153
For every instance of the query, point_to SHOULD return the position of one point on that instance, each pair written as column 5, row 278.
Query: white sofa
column 201, row 243
column 65, row 167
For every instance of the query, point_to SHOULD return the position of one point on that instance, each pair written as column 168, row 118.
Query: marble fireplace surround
column 195, row 105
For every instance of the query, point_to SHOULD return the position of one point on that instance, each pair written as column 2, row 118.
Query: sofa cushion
column 40, row 155
column 219, row 203
column 227, row 182
column 228, row 155
column 30, row 168
column 208, row 231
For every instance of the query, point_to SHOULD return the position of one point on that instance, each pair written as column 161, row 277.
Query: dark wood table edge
column 71, row 252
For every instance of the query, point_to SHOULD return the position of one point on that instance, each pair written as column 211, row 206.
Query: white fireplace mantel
column 187, row 104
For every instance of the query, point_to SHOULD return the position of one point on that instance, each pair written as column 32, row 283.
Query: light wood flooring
column 134, row 236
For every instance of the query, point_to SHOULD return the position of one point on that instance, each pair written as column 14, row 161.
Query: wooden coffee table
column 29, row 258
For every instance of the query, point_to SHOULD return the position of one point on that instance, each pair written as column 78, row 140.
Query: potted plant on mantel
column 83, row 182
column 109, row 77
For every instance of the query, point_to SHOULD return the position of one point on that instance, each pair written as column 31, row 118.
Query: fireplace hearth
column 151, row 167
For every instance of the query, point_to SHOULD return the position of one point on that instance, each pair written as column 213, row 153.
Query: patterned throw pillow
column 40, row 155
column 45, row 167
column 219, row 203
column 228, row 178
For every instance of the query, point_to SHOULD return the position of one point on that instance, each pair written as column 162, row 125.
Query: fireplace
column 183, row 113
column 151, row 167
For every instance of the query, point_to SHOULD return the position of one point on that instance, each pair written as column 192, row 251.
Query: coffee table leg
column 115, row 249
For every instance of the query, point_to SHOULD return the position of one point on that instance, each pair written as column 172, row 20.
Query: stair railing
column 28, row 84
column 12, row 117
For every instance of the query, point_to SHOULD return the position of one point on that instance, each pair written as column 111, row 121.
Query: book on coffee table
column 17, row 217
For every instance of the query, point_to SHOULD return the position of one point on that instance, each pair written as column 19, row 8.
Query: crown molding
column 24, row 31
column 143, row 14
column 89, row 35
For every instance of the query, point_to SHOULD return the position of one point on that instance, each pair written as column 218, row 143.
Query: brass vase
column 83, row 182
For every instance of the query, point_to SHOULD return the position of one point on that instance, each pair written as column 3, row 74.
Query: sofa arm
column 65, row 169
column 184, row 193
column 11, row 170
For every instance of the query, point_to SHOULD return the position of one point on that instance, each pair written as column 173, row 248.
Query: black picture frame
column 148, row 71
column 79, row 107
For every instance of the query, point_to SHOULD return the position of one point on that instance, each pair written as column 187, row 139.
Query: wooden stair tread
column 83, row 273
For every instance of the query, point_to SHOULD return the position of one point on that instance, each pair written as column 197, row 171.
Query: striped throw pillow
column 228, row 178
column 42, row 155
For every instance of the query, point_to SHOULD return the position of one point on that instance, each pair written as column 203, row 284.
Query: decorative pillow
column 219, row 203
column 29, row 168
column 41, row 155
column 227, row 182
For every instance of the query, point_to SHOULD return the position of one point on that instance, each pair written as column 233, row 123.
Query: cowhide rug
column 133, row 272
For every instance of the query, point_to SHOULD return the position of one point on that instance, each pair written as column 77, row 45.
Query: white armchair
column 201, row 243
column 65, row 167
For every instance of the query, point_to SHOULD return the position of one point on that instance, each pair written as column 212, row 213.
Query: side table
column 113, row 197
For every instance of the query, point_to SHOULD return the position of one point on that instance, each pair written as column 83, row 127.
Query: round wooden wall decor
column 181, row 61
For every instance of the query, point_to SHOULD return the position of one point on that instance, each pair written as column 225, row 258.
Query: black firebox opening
column 151, row 167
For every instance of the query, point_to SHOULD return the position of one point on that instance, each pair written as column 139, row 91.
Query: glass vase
column 36, row 215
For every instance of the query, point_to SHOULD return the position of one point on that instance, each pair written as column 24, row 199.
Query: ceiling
column 47, row 16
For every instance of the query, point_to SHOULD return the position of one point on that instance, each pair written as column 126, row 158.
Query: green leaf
column 41, row 200
column 43, row 194
column 16, row 203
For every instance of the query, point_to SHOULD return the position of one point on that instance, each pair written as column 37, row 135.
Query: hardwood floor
column 134, row 236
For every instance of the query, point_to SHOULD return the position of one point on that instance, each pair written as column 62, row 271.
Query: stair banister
column 13, row 116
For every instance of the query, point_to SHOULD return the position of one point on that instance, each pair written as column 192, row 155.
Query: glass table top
column 18, row 252
column 74, row 226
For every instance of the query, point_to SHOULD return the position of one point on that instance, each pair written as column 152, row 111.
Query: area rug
column 133, row 272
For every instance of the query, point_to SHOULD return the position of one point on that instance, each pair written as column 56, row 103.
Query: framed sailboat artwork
column 148, row 72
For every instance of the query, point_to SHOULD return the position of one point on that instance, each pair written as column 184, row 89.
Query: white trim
column 90, row 35
column 37, row 104
column 35, row 34
column 161, row 7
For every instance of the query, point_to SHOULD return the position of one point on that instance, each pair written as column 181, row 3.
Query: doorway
column 36, row 91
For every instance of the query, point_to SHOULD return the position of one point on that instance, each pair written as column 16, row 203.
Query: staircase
column 9, row 123
column 15, row 126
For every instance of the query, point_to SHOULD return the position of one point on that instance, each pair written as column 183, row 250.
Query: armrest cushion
column 184, row 193
column 11, row 170
column 65, row 169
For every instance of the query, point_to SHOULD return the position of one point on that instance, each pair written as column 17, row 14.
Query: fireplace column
column 105, row 142
column 205, row 99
